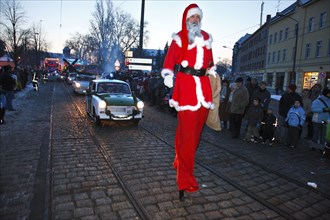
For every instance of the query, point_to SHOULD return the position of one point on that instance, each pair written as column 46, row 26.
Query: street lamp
column 295, row 47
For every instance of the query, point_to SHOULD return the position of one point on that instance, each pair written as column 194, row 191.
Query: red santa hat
column 191, row 10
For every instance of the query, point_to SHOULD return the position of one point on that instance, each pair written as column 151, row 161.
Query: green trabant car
column 113, row 100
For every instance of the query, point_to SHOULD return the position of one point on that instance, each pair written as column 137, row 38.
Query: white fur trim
column 200, row 100
column 200, row 53
column 167, row 71
column 184, row 63
column 177, row 39
column 194, row 11
column 208, row 42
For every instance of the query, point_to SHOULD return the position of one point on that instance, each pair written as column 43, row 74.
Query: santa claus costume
column 191, row 97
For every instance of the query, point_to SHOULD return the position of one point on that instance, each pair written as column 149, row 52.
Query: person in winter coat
column 285, row 103
column 268, row 126
column 254, row 116
column 240, row 101
column 224, row 97
column 8, row 83
column 321, row 114
column 295, row 121
column 263, row 95
column 232, row 87
column 2, row 106
column 307, row 107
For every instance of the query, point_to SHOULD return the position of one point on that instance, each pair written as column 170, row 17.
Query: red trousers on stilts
column 188, row 132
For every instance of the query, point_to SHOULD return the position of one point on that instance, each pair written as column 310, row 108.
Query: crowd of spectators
column 240, row 103
column 309, row 111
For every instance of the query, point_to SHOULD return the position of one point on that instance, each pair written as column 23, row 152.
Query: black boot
column 181, row 195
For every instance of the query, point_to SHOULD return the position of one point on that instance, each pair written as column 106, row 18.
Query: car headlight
column 140, row 105
column 77, row 84
column 102, row 104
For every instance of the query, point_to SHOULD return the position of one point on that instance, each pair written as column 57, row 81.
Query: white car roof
column 108, row 80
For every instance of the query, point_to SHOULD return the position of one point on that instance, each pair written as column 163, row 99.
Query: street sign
column 140, row 60
column 322, row 75
column 139, row 67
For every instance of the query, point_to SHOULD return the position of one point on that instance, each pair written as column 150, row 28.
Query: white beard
column 194, row 30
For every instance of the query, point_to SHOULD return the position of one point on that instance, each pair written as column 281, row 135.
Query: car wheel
column 136, row 121
column 97, row 119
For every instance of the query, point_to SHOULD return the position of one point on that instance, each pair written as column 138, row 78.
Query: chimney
column 268, row 18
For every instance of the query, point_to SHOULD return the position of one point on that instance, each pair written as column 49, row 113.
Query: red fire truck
column 51, row 64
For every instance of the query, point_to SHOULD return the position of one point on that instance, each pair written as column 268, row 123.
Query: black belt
column 192, row 71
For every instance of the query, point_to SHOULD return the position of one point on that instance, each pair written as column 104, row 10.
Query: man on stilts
column 191, row 51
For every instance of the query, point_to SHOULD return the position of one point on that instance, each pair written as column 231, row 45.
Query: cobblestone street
column 57, row 164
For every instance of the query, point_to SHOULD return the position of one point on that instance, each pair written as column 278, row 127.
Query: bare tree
column 15, row 35
column 102, row 30
column 38, row 41
column 126, row 31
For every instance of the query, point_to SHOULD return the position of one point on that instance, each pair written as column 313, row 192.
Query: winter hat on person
column 239, row 79
column 292, row 87
column 191, row 10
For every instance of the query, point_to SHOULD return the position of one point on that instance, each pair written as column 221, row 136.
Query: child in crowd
column 268, row 126
column 2, row 106
column 254, row 116
column 295, row 120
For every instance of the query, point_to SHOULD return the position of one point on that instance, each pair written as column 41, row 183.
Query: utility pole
column 141, row 29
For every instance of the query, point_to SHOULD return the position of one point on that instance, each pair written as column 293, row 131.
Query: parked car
column 71, row 77
column 52, row 75
column 110, row 99
column 80, row 84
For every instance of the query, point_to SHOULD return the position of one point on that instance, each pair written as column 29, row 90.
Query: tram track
column 267, row 200
column 142, row 213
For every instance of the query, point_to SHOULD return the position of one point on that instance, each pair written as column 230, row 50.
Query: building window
column 280, row 36
column 270, row 39
column 323, row 18
column 329, row 48
column 269, row 55
column 275, row 37
column 286, row 33
column 318, row 48
column 273, row 59
column 308, row 50
column 284, row 55
column 311, row 24
column 278, row 56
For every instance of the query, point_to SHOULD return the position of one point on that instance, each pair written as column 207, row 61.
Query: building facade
column 297, row 48
column 252, row 53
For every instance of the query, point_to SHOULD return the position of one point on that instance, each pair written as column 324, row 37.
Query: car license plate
column 118, row 109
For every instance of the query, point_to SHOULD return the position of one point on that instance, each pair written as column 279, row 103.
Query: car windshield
column 85, row 77
column 115, row 88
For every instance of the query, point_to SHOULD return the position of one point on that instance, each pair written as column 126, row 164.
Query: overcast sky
column 225, row 20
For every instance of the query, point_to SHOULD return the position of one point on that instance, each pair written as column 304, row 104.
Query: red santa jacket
column 190, row 92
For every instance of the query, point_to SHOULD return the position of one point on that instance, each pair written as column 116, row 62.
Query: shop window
column 310, row 79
